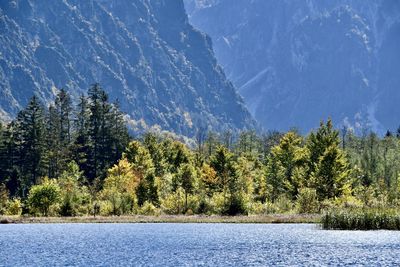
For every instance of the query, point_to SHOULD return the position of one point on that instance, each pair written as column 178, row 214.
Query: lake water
column 193, row 244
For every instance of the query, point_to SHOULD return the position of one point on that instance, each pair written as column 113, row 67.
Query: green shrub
column 348, row 202
column 235, row 206
column 14, row 207
column 307, row 201
column 256, row 208
column 283, row 204
column 106, row 208
column 203, row 206
column 217, row 204
column 42, row 197
column 3, row 199
column 174, row 203
column 270, row 208
column 74, row 197
column 148, row 209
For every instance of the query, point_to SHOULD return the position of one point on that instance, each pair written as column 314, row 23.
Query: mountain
column 143, row 52
column 299, row 61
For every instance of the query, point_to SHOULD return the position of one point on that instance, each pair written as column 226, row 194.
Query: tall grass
column 361, row 219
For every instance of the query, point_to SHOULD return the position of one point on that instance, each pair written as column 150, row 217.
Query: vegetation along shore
column 71, row 163
column 276, row 218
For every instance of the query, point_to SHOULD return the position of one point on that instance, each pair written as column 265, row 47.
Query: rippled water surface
column 193, row 244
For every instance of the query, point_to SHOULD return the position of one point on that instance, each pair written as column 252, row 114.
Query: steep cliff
column 296, row 62
column 143, row 52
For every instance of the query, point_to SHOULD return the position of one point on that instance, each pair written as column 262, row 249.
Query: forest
column 75, row 160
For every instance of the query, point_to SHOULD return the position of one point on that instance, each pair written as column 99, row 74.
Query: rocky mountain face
column 299, row 61
column 143, row 52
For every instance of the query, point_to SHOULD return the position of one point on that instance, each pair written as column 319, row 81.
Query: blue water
column 193, row 244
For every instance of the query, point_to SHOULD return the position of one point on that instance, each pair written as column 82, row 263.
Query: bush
column 66, row 208
column 74, row 197
column 3, row 198
column 217, row 203
column 42, row 197
column 283, row 204
column 256, row 208
column 14, row 207
column 174, row 203
column 270, row 208
column 106, row 208
column 235, row 206
column 203, row 206
column 307, row 201
column 149, row 209
column 348, row 202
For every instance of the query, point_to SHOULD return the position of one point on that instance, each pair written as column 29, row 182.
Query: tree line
column 79, row 160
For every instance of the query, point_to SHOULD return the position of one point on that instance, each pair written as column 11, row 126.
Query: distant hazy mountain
column 143, row 52
column 299, row 61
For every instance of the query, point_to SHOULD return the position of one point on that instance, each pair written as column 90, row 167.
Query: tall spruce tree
column 9, row 158
column 31, row 144
column 54, row 146
column 119, row 136
column 63, row 106
column 285, row 161
column 328, row 165
column 81, row 144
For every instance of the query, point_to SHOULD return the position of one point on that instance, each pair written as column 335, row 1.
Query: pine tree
column 95, row 131
column 119, row 135
column 318, row 142
column 371, row 157
column 211, row 143
column 186, row 177
column 176, row 154
column 106, row 140
column 331, row 176
column 107, row 133
column 285, row 160
column 31, row 131
column 154, row 146
column 275, row 178
column 330, row 172
column 147, row 190
column 81, row 144
column 58, row 126
column 9, row 158
column 222, row 161
column 63, row 106
column 54, row 146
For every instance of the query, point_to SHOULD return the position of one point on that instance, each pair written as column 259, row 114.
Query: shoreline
column 264, row 219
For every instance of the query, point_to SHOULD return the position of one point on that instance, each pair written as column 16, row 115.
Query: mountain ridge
column 144, row 53
column 296, row 62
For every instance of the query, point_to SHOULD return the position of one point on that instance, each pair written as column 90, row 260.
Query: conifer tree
column 186, row 177
column 223, row 163
column 96, row 130
column 154, row 146
column 31, row 131
column 81, row 144
column 119, row 136
column 63, row 107
column 330, row 172
column 54, row 146
column 285, row 159
column 9, row 159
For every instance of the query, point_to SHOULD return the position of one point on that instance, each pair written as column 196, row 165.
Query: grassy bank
column 277, row 218
column 361, row 219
